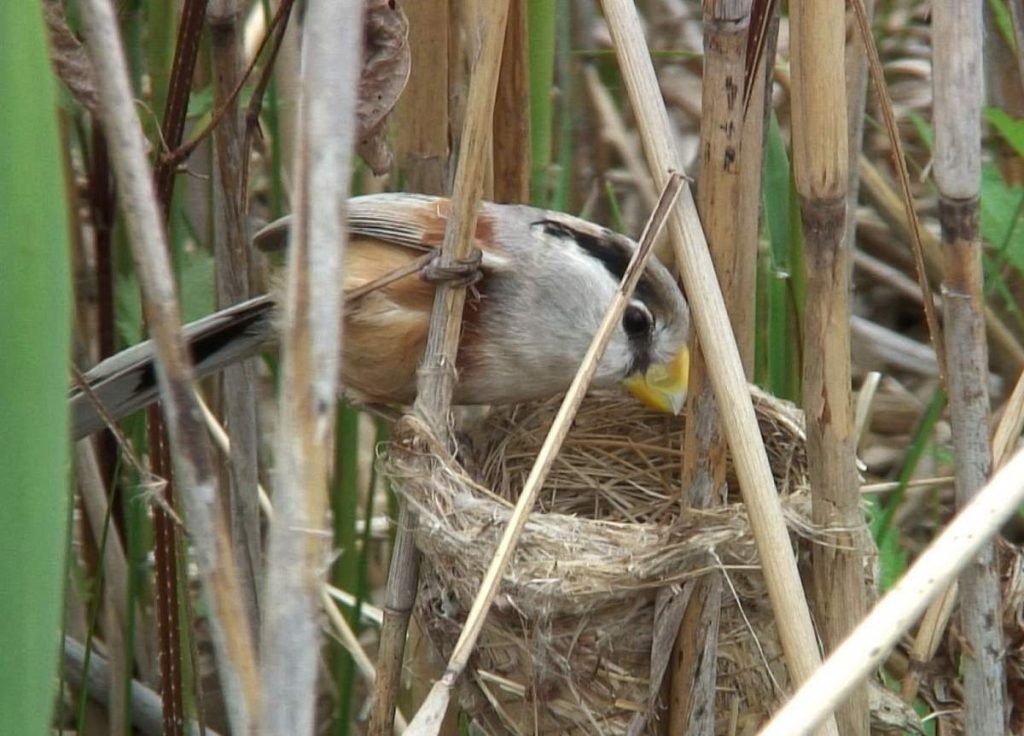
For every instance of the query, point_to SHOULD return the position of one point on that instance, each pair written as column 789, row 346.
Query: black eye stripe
column 611, row 253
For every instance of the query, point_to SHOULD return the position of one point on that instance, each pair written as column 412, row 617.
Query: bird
column 546, row 279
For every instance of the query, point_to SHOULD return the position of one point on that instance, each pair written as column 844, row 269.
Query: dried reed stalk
column 232, row 259
column 820, row 162
column 422, row 152
column 512, row 165
column 421, row 115
column 299, row 546
column 958, row 87
column 729, row 204
column 719, row 345
column 232, row 637
column 436, row 375
column 428, row 719
column 869, row 644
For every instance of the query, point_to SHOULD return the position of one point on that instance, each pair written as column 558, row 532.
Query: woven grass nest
column 567, row 646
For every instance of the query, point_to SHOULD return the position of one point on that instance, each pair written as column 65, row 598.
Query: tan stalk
column 421, row 115
column 193, row 468
column 436, row 374
column 958, row 88
column 869, row 644
column 299, row 544
column 428, row 718
column 721, row 353
column 231, row 256
column 512, row 114
column 729, row 201
column 820, row 163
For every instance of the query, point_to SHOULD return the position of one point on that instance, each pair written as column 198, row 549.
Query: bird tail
column 126, row 382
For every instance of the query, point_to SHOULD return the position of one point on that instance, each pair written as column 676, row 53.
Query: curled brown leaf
column 386, row 63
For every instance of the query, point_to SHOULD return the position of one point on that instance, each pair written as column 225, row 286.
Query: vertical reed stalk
column 511, row 113
column 729, row 214
column 299, row 544
column 231, row 254
column 820, row 161
column 422, row 152
column 958, row 89
column 421, row 115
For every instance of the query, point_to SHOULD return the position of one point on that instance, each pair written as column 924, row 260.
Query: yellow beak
column 663, row 386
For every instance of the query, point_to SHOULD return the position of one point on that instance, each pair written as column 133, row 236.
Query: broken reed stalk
column 726, row 370
column 299, row 546
column 820, row 163
column 196, row 477
column 428, row 718
column 729, row 204
column 958, row 87
column 232, row 261
column 436, row 374
column 937, row 566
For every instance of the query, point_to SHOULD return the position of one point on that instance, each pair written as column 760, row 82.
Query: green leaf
column 1001, row 206
column 35, row 333
column 1010, row 129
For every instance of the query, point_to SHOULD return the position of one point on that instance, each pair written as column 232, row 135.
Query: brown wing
column 386, row 330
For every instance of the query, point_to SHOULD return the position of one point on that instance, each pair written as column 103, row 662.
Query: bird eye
column 636, row 321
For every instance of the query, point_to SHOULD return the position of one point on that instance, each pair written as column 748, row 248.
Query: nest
column 567, row 646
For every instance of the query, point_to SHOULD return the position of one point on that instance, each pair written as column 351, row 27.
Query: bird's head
column 648, row 351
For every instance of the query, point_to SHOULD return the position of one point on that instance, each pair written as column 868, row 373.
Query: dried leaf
column 70, row 60
column 386, row 63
